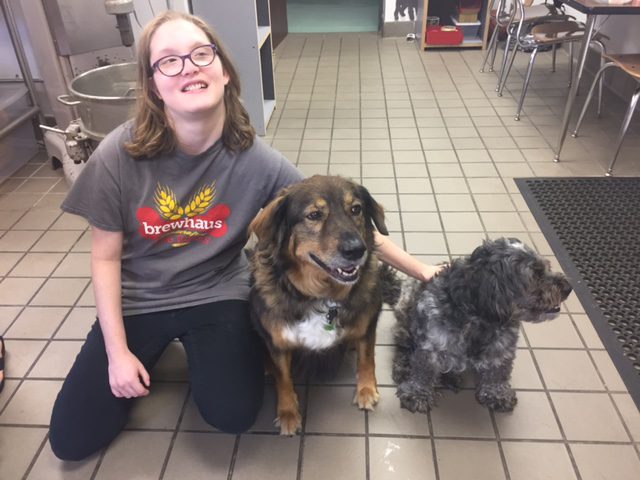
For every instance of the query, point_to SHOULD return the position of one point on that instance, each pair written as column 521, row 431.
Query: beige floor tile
column 425, row 243
column 459, row 459
column 347, row 456
column 629, row 412
column 56, row 241
column 19, row 445
column 57, row 359
column 558, row 333
column 19, row 240
column 18, row 291
column 572, row 304
column 400, row 458
column 384, row 331
column 389, row 419
column 445, row 170
column 77, row 324
column 10, row 386
column 87, row 298
column 49, row 467
column 588, row 417
column 568, row 370
column 450, row 185
column 83, row 244
column 136, row 455
column 455, row 203
column 459, row 415
column 20, row 356
column 384, row 359
column 417, row 203
column 37, row 322
column 524, row 373
column 411, row 170
column 587, row 331
column 267, row 457
column 608, row 371
column 330, row 410
column 160, row 409
column 606, row 461
column 461, row 244
column 8, row 261
column 74, row 265
column 37, row 219
column 500, row 221
column 532, row 418
column 32, row 403
column 524, row 461
column 69, row 222
column 461, row 222
column 37, row 265
column 494, row 202
column 172, row 365
column 60, row 291
column 414, row 185
column 486, row 185
column 9, row 218
column 421, row 222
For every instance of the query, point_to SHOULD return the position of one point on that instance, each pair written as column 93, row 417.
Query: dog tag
column 330, row 324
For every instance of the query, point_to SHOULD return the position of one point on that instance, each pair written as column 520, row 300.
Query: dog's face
column 322, row 226
column 516, row 281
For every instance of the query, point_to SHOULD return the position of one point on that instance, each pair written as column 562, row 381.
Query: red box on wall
column 444, row 35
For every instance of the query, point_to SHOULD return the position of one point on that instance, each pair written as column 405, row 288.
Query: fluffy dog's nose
column 565, row 287
column 352, row 248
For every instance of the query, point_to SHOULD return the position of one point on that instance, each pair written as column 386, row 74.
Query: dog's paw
column 501, row 399
column 366, row 398
column 416, row 400
column 290, row 422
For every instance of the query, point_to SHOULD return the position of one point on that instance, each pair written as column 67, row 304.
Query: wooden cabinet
column 244, row 26
column 445, row 12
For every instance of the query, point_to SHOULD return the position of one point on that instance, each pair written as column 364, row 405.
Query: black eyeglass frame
column 155, row 67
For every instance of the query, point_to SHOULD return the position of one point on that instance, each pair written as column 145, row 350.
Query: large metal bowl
column 104, row 97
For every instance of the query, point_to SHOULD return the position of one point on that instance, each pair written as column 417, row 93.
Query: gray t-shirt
column 184, row 217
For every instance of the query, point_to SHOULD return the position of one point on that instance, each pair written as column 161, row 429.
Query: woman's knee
column 232, row 416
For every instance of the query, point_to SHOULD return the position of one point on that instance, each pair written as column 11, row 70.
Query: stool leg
column 570, row 64
column 526, row 81
column 623, row 130
column 553, row 57
column 505, row 72
column 590, row 95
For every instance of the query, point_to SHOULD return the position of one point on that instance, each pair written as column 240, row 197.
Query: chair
column 533, row 37
column 629, row 63
column 502, row 23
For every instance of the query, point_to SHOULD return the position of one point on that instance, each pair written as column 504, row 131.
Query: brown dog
column 316, row 282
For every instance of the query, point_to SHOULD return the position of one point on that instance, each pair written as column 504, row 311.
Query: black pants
column 225, row 359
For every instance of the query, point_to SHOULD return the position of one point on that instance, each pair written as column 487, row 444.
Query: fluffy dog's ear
column 373, row 210
column 270, row 224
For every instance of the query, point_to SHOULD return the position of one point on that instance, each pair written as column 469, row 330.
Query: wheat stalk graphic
column 170, row 208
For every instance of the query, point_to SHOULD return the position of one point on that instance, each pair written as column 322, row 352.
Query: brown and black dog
column 316, row 282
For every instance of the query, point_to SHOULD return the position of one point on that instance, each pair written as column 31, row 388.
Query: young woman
column 169, row 197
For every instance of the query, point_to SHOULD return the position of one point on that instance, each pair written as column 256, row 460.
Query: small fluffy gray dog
column 468, row 318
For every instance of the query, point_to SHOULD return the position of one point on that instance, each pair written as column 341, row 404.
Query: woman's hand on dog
column 393, row 255
column 127, row 376
column 430, row 271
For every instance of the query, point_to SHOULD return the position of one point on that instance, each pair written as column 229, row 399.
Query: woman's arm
column 395, row 256
column 125, row 370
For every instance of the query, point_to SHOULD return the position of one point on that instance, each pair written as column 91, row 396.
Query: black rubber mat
column 593, row 226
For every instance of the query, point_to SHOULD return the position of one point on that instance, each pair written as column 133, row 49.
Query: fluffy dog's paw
column 289, row 422
column 366, row 398
column 501, row 399
column 416, row 400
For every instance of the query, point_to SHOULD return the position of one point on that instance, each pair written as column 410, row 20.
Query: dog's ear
column 373, row 210
column 270, row 224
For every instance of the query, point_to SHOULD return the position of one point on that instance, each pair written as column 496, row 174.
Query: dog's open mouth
column 347, row 274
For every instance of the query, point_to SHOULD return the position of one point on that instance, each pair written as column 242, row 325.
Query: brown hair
column 153, row 134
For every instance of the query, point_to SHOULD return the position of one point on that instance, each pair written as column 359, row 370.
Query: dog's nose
column 352, row 248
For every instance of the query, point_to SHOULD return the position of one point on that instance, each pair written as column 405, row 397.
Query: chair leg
column 570, row 64
column 505, row 59
column 623, row 130
column 553, row 57
column 491, row 50
column 507, row 70
column 526, row 81
column 590, row 95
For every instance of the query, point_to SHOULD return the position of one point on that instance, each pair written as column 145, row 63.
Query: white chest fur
column 314, row 332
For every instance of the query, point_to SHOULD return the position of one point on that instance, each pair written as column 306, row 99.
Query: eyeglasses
column 173, row 65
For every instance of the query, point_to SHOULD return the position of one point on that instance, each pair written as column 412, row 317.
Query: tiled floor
column 429, row 138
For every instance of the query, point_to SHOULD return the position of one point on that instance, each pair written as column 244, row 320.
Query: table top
column 603, row 7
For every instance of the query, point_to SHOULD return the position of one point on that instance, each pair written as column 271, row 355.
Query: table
column 592, row 8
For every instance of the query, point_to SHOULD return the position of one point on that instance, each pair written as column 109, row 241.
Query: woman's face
column 196, row 90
